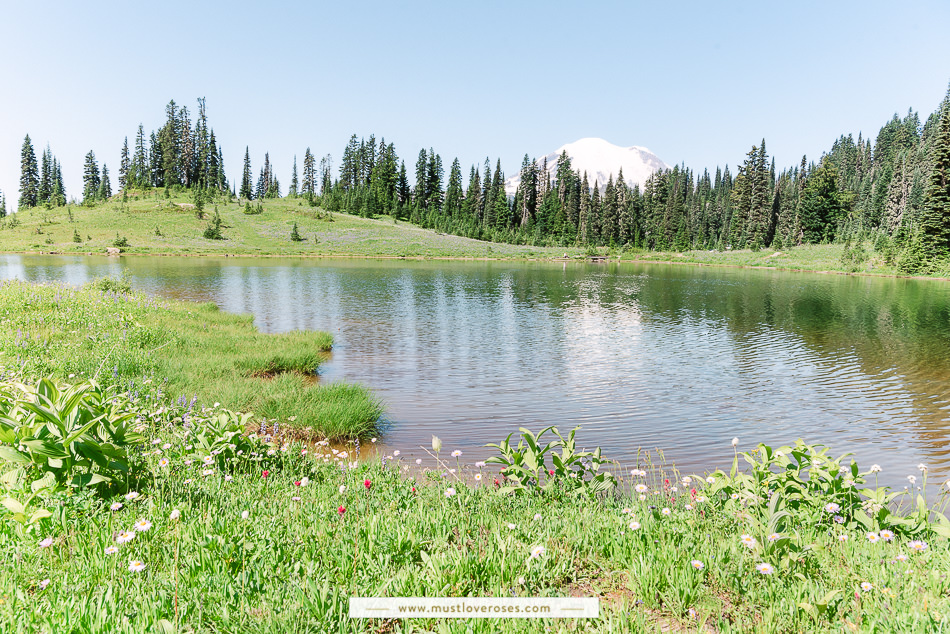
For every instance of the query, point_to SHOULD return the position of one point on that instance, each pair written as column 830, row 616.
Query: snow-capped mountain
column 600, row 159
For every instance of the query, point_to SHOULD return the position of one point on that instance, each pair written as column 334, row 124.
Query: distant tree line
column 895, row 191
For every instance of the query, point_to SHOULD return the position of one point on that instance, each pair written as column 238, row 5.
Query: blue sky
column 696, row 82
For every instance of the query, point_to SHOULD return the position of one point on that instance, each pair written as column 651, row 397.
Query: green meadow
column 149, row 223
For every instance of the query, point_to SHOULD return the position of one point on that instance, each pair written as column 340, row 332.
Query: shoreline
column 577, row 260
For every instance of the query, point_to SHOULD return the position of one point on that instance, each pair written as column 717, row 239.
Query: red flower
column 297, row 483
column 341, row 510
column 265, row 474
column 367, row 484
column 413, row 489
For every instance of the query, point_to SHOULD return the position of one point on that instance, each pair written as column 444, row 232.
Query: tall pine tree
column 29, row 176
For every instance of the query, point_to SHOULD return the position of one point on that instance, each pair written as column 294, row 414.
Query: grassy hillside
column 153, row 224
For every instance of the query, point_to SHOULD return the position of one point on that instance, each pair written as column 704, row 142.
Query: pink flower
column 297, row 483
column 368, row 484
column 265, row 474
column 341, row 510
column 550, row 472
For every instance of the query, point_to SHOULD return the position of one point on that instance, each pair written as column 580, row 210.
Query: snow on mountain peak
column 601, row 160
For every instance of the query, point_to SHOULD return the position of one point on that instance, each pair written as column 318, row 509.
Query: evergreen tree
column 105, row 187
column 45, row 187
column 3, row 205
column 294, row 184
column 29, row 176
column 169, row 140
column 125, row 164
column 58, row 195
column 934, row 219
column 246, row 191
column 139, row 169
column 820, row 206
column 309, row 176
column 90, row 178
column 453, row 194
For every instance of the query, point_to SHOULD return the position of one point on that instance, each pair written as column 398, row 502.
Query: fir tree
column 934, row 219
column 45, row 187
column 29, row 176
column 309, row 182
column 105, row 187
column 139, row 170
column 246, row 191
column 90, row 178
column 125, row 164
column 294, row 184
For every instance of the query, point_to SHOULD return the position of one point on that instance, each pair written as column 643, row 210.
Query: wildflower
column 142, row 525
column 710, row 480
column 449, row 492
column 666, row 512
column 44, row 583
column 520, row 581
column 887, row 535
column 537, row 517
column 478, row 477
column 228, row 478
column 641, row 497
column 764, row 568
column 46, row 543
column 831, row 507
column 634, row 525
column 748, row 541
column 341, row 510
column 641, row 488
column 124, row 537
column 866, row 587
column 917, row 545
column 111, row 550
column 296, row 498
column 875, row 468
column 873, row 538
column 207, row 472
column 372, row 440
column 849, row 483
column 901, row 557
column 511, row 526
column 687, row 481
column 157, row 441
column 342, row 489
column 136, row 566
column 208, row 460
column 132, row 495
column 838, row 519
column 174, row 515
column 368, row 484
column 697, row 564
column 188, row 481
column 922, row 467
column 843, row 537
column 734, row 496
column 265, row 474
column 735, row 442
column 245, row 515
column 304, row 481
column 700, row 499
column 551, row 472
column 436, row 444
column 163, row 462
column 115, row 506
column 912, row 479
column 537, row 551
column 188, row 463
column 418, row 461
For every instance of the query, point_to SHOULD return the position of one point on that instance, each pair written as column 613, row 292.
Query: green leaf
column 13, row 505
column 9, row 454
column 88, row 479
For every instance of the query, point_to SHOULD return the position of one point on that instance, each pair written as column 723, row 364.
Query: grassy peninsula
column 190, row 352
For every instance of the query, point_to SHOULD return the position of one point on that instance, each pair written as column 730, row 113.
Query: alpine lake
column 643, row 357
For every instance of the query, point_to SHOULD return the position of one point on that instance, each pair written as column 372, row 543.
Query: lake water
column 678, row 358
